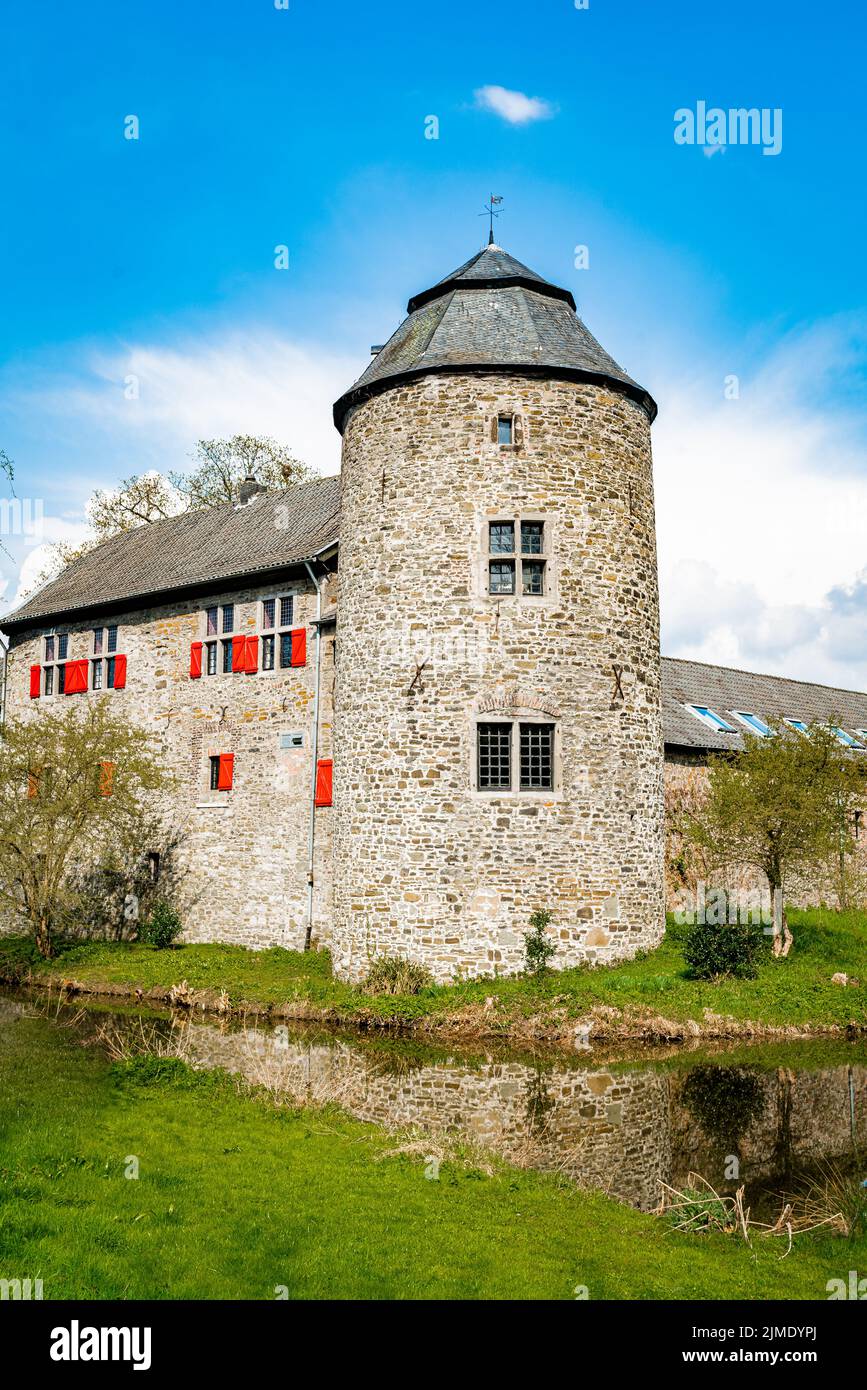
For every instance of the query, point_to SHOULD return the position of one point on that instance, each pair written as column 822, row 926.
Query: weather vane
column 489, row 213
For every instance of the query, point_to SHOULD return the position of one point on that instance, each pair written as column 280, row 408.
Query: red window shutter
column 35, row 682
column 227, row 772
column 239, row 652
column 323, row 782
column 119, row 673
column 106, row 778
column 299, row 646
column 195, row 661
column 252, row 663
column 76, row 677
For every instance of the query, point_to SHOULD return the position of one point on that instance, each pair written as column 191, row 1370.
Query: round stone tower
column 497, row 739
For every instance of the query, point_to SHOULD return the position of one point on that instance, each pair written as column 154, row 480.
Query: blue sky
column 305, row 127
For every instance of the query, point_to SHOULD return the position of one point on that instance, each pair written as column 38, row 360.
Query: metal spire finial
column 489, row 213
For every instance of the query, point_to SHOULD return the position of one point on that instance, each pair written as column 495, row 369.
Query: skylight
column 799, row 724
column 752, row 722
column 849, row 741
column 711, row 718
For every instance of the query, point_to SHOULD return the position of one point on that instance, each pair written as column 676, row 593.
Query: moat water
column 776, row 1118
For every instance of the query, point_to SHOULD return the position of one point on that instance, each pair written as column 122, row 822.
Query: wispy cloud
column 514, row 107
column 762, row 511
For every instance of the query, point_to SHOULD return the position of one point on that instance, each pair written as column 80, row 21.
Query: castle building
column 408, row 706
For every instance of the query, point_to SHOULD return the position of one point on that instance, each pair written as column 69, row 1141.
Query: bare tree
column 223, row 464
column 71, row 784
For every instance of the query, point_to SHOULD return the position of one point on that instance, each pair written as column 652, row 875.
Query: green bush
column 393, row 975
column 161, row 928
column 538, row 946
column 712, row 949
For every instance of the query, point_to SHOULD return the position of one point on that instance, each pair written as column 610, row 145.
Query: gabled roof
column 491, row 314
column 771, row 697
column 275, row 530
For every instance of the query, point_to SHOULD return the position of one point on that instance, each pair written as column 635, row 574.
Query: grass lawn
column 236, row 1197
column 797, row 991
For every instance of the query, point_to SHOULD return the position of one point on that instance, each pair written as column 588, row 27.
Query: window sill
column 212, row 805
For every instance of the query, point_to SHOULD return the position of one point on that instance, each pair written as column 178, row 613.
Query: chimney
column 248, row 489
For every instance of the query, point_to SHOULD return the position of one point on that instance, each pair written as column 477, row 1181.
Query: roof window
column 711, row 718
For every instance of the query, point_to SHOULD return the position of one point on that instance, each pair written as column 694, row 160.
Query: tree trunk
column 782, row 935
column 43, row 937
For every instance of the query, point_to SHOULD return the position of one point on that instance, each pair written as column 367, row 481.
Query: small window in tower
column 502, row 537
column 494, row 757
column 227, row 656
column 215, row 772
column 533, row 576
column 211, row 649
column 502, row 577
column 228, row 617
column 211, row 621
column 505, row 429
column 537, row 757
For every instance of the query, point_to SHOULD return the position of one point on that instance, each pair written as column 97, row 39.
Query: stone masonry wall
column 426, row 866
column 246, row 849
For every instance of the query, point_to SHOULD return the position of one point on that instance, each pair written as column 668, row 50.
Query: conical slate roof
column 491, row 314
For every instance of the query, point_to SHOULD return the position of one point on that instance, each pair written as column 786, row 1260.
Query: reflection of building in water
column 616, row 1129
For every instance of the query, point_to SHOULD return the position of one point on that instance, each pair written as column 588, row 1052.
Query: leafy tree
column 71, row 783
column 223, row 464
column 785, row 805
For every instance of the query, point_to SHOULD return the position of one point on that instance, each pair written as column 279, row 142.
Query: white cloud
column 762, row 513
column 514, row 107
column 761, row 500
column 147, row 403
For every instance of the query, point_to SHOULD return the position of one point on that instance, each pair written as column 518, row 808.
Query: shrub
column 712, row 949
column 393, row 975
column 538, row 946
column 161, row 928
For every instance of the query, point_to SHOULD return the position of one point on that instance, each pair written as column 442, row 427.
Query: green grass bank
column 236, row 1198
column 651, row 998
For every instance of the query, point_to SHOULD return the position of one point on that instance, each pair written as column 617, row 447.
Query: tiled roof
column 274, row 530
column 488, row 315
column 770, row 697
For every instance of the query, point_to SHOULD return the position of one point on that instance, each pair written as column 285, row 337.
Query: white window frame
column 744, row 716
column 709, row 717
column 847, row 740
